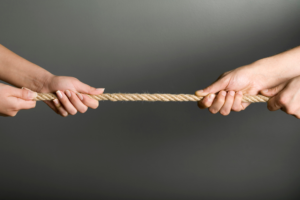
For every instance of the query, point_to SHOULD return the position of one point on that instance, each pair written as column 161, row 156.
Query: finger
column 245, row 105
column 275, row 103
column 86, row 89
column 66, row 103
column 88, row 101
column 237, row 103
column 23, row 93
column 201, row 93
column 77, row 103
column 218, row 102
column 225, row 110
column 273, row 91
column 60, row 109
column 217, row 86
column 297, row 115
column 206, row 101
column 52, row 106
column 24, row 104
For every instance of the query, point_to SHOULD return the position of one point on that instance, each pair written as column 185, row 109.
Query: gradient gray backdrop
column 140, row 150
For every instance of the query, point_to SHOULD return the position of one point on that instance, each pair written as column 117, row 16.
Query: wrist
column 278, row 68
column 43, row 85
column 283, row 66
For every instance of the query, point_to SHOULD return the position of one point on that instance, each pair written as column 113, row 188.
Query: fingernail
column 56, row 102
column 211, row 96
column 68, row 93
column 240, row 92
column 100, row 89
column 199, row 92
column 59, row 94
column 79, row 96
column 231, row 93
column 31, row 94
column 223, row 93
column 266, row 90
column 65, row 114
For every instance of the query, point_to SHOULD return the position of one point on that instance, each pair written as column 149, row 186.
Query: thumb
column 217, row 86
column 273, row 91
column 86, row 89
column 24, row 93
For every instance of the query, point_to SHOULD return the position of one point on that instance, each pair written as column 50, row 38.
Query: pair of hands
column 252, row 79
column 276, row 77
column 230, row 87
column 67, row 89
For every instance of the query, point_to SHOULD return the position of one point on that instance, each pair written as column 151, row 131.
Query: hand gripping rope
column 150, row 97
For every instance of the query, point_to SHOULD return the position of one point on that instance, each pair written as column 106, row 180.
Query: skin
column 14, row 99
column 251, row 79
column 286, row 97
column 20, row 72
column 277, row 73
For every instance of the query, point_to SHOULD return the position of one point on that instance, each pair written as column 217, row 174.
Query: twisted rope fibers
column 150, row 97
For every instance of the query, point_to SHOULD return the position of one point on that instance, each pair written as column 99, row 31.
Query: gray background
column 140, row 150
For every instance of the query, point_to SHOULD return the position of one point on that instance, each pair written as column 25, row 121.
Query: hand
column 285, row 96
column 250, row 79
column 69, row 101
column 231, row 86
column 12, row 100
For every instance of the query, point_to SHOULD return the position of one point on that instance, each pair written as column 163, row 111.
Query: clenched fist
column 12, row 100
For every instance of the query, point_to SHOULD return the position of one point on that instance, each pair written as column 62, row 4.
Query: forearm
column 282, row 67
column 20, row 72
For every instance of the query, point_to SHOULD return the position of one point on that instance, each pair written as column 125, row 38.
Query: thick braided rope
column 150, row 97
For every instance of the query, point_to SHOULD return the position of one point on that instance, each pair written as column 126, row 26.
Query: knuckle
column 220, row 100
column 83, row 110
column 236, row 109
column 73, row 112
column 282, row 100
column 290, row 110
column 271, row 107
column 63, row 113
column 95, row 106
column 33, row 105
column 213, row 111
column 24, row 94
column 224, row 112
column 14, row 107
column 12, row 113
column 205, row 105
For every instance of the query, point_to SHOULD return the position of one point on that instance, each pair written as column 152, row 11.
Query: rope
column 149, row 97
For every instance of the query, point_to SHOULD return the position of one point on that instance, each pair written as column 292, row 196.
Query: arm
column 250, row 79
column 285, row 96
column 22, row 73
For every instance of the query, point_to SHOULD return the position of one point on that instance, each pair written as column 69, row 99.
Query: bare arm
column 20, row 72
column 250, row 79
